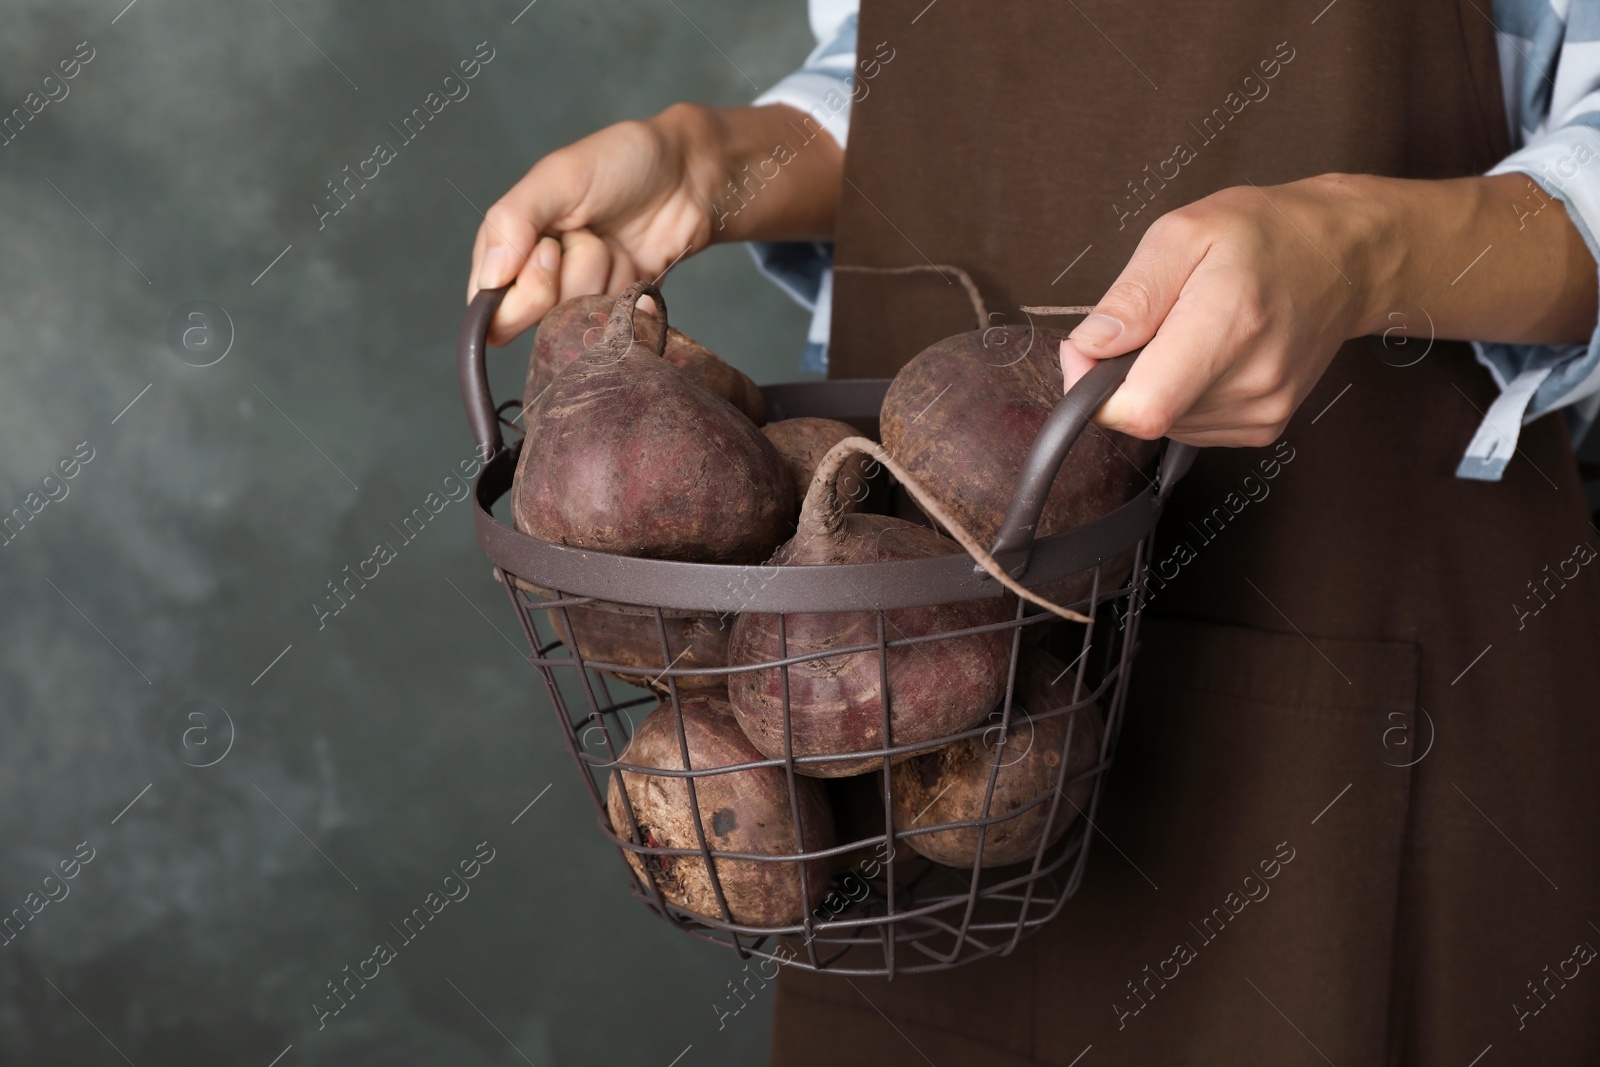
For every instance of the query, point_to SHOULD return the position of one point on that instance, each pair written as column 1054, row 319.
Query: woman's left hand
column 1241, row 299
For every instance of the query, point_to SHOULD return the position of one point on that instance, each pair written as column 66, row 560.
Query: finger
column 1179, row 366
column 1144, row 293
column 1231, row 438
column 585, row 264
column 544, row 200
column 472, row 273
column 508, row 237
column 1074, row 364
column 547, row 194
column 534, row 292
column 624, row 272
column 1259, row 425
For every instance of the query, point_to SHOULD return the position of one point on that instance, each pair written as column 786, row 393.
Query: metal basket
column 893, row 912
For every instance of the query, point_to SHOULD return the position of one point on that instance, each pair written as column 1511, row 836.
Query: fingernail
column 499, row 267
column 1097, row 331
column 547, row 257
column 1074, row 364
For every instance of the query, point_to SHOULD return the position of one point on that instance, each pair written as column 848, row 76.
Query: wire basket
column 862, row 897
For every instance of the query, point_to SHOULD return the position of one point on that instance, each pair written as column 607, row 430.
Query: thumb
column 506, row 240
column 515, row 246
column 1138, row 301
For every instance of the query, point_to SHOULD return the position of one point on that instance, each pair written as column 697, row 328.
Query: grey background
column 377, row 752
column 188, row 552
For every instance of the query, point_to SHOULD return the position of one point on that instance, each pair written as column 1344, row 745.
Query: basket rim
column 713, row 588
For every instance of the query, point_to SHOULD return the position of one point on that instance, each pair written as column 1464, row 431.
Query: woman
column 1375, row 680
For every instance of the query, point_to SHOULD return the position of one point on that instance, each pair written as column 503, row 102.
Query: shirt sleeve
column 1550, row 71
column 821, row 89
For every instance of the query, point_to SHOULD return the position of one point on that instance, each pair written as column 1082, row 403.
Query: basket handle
column 472, row 370
column 472, row 360
column 1060, row 431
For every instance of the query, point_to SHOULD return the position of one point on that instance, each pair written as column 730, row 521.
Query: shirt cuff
column 823, row 86
column 1496, row 440
column 823, row 97
column 1536, row 379
column 822, row 91
column 804, row 270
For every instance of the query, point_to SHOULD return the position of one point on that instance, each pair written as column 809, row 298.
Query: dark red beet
column 949, row 784
column 962, row 416
column 801, row 444
column 741, row 811
column 626, row 454
column 604, row 636
column 575, row 326
column 835, row 702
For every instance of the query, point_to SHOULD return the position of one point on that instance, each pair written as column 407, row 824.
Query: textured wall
column 181, row 561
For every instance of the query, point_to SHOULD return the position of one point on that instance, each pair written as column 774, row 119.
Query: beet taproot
column 740, row 811
column 836, row 701
column 949, row 784
column 575, row 326
column 626, row 454
column 606, row 636
column 962, row 416
column 801, row 444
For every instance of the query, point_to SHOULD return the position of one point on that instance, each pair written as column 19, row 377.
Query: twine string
column 822, row 514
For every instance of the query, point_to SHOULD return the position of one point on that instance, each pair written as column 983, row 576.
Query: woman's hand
column 1241, row 299
column 625, row 203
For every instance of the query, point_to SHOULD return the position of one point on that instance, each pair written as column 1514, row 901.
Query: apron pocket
column 1241, row 896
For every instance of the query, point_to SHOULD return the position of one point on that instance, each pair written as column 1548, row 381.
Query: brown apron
column 1360, row 675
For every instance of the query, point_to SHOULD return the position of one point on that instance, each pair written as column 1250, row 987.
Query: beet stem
column 821, row 516
column 619, row 327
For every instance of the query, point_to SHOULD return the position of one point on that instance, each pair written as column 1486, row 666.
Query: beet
column 741, row 811
column 836, row 703
column 606, row 636
column 962, row 416
column 575, row 326
column 627, row 454
column 801, row 444
column 949, row 784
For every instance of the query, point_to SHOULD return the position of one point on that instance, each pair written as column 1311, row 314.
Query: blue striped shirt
column 1550, row 69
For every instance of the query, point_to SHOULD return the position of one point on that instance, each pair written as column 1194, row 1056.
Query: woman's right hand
column 625, row 203
column 593, row 217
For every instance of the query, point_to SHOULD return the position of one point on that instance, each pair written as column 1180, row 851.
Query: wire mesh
column 849, row 892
